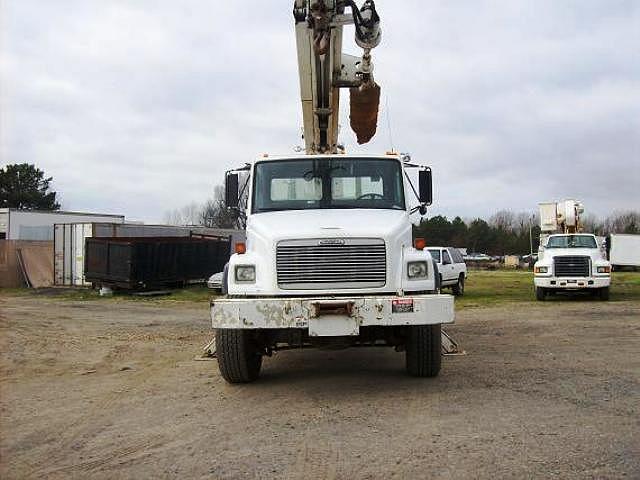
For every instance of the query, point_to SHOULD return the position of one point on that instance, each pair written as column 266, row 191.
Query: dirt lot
column 110, row 389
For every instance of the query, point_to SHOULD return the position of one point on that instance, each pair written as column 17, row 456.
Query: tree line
column 507, row 233
column 25, row 186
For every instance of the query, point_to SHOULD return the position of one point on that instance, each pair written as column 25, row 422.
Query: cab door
column 447, row 269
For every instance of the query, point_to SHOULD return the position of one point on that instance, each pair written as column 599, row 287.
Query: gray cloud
column 139, row 107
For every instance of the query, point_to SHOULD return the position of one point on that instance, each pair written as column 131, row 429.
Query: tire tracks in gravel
column 318, row 456
column 91, row 465
column 83, row 425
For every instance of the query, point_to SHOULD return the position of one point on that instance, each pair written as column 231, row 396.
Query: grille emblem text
column 331, row 241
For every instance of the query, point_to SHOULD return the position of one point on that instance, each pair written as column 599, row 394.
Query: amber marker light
column 241, row 248
column 419, row 243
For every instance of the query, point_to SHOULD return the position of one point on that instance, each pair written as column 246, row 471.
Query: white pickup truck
column 329, row 262
column 453, row 270
column 571, row 262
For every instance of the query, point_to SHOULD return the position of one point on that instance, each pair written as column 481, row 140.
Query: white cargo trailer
column 623, row 250
column 18, row 224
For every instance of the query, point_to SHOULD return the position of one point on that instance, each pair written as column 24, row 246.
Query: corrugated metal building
column 18, row 224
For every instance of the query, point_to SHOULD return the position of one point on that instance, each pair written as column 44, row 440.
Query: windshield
column 435, row 254
column 327, row 183
column 572, row 241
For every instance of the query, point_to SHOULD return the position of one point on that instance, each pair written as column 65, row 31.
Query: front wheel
column 604, row 293
column 458, row 288
column 424, row 350
column 239, row 356
column 540, row 294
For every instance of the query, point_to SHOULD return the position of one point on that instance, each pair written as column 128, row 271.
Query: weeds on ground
column 483, row 288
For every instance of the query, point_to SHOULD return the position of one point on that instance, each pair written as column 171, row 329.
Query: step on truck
column 329, row 260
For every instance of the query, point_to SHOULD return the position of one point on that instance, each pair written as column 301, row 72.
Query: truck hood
column 328, row 223
column 549, row 253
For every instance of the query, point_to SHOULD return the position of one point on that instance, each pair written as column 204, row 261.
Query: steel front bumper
column 572, row 283
column 331, row 316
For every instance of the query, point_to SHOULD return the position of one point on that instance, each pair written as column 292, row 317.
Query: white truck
column 569, row 260
column 329, row 260
column 452, row 268
column 623, row 250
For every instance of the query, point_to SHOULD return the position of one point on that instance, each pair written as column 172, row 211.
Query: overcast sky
column 138, row 107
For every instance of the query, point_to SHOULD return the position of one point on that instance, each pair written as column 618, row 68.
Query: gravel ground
column 110, row 389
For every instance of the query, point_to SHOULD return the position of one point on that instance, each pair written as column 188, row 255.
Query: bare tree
column 622, row 222
column 189, row 214
column 216, row 214
column 503, row 220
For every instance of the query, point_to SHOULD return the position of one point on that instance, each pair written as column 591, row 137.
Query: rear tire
column 540, row 294
column 424, row 350
column 458, row 288
column 604, row 294
column 238, row 353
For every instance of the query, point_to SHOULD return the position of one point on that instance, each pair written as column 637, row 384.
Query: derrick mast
column 323, row 69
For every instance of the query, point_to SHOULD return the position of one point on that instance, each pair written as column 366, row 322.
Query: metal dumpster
column 140, row 263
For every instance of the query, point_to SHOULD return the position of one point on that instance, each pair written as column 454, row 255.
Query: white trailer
column 18, row 224
column 623, row 250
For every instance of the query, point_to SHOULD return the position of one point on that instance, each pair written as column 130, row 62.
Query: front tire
column 604, row 294
column 540, row 294
column 239, row 356
column 458, row 288
column 424, row 350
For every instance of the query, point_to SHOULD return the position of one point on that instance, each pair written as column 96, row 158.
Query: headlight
column 541, row 269
column 417, row 269
column 604, row 270
column 245, row 273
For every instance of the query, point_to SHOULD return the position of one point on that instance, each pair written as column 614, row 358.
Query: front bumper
column 331, row 316
column 572, row 283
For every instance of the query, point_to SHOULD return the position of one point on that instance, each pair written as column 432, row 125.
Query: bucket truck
column 569, row 259
column 329, row 260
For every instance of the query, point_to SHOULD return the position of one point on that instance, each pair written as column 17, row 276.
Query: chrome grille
column 318, row 264
column 571, row 266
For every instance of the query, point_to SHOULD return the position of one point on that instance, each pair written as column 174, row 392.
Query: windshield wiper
column 276, row 209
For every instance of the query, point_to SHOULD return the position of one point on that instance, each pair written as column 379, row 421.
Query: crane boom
column 323, row 69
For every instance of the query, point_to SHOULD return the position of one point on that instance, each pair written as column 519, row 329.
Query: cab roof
column 364, row 156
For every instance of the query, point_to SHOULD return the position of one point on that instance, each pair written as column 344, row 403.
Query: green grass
column 194, row 294
column 483, row 289
column 488, row 288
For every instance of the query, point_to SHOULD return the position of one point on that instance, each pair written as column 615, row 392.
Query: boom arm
column 563, row 217
column 323, row 69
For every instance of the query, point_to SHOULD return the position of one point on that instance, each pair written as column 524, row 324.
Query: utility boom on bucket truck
column 329, row 259
column 567, row 258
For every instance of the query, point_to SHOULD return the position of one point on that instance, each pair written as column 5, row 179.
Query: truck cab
column 571, row 262
column 451, row 268
column 329, row 261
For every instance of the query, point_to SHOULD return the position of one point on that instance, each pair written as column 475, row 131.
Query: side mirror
column 231, row 190
column 425, row 186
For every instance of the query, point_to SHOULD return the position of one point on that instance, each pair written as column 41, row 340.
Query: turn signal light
column 241, row 248
column 419, row 243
